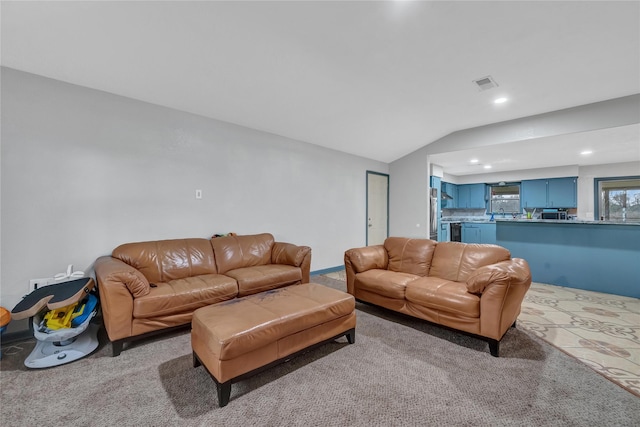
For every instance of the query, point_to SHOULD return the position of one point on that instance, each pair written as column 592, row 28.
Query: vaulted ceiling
column 375, row 79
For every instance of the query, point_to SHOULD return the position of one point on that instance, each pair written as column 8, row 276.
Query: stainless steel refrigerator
column 433, row 214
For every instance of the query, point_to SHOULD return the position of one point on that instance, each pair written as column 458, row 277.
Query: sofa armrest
column 502, row 287
column 514, row 271
column 117, row 284
column 290, row 254
column 357, row 260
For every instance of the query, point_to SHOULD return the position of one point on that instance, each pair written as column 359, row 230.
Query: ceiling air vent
column 486, row 83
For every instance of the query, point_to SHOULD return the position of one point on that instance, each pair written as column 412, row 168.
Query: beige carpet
column 399, row 372
column 600, row 330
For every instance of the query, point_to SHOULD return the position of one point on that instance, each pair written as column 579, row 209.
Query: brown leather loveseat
column 147, row 287
column 475, row 288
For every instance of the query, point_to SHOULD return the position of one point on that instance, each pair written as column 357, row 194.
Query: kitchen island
column 592, row 255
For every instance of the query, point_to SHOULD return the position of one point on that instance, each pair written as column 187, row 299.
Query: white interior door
column 377, row 208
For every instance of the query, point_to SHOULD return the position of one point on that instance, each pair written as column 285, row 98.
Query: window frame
column 503, row 185
column 597, row 214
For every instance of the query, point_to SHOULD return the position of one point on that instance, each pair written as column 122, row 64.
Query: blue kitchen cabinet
column 452, row 191
column 488, row 233
column 562, row 193
column 444, row 235
column 470, row 233
column 533, row 193
column 471, row 196
column 477, row 196
column 473, row 232
column 549, row 193
column 463, row 196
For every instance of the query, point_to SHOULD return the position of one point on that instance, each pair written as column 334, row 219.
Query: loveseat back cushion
column 232, row 252
column 457, row 261
column 165, row 260
column 411, row 256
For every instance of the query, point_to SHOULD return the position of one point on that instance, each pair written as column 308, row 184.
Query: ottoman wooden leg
column 223, row 389
column 224, row 392
column 351, row 336
column 196, row 361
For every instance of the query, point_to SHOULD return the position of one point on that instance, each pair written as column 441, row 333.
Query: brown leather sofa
column 474, row 288
column 146, row 287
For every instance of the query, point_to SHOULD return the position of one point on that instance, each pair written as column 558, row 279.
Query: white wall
column 409, row 196
column 84, row 171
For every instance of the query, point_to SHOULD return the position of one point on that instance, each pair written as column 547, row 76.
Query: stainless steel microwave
column 553, row 215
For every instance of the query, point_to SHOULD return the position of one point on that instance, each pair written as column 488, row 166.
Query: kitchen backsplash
column 462, row 212
column 465, row 214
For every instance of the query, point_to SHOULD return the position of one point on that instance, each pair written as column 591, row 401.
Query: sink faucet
column 501, row 210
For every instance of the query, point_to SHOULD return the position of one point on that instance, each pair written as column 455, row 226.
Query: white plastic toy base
column 47, row 354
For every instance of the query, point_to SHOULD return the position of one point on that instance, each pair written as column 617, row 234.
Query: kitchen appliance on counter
column 554, row 214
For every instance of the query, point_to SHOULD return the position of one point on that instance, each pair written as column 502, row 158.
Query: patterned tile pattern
column 601, row 330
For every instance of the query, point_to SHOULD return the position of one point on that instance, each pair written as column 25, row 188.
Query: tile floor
column 601, row 330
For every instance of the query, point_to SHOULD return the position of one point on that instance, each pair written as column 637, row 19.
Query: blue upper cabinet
column 450, row 190
column 471, row 196
column 562, row 193
column 549, row 193
column 533, row 193
column 477, row 196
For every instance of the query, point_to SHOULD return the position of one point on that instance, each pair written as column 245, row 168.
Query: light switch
column 198, row 194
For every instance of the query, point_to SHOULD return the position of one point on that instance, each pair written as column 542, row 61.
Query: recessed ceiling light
column 500, row 100
column 487, row 166
column 586, row 152
column 474, row 160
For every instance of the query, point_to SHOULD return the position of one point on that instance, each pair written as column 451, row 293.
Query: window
column 505, row 198
column 618, row 199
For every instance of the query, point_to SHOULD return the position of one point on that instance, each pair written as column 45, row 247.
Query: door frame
column 366, row 217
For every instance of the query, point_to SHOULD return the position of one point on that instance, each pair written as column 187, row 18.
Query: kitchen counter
column 564, row 221
column 593, row 255
column 538, row 221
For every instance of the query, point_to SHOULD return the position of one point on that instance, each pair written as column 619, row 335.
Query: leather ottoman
column 238, row 338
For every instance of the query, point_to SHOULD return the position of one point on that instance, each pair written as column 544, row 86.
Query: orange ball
column 5, row 316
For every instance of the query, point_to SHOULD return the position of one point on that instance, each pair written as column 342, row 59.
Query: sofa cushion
column 456, row 261
column 443, row 295
column 410, row 255
column 165, row 260
column 260, row 278
column 233, row 252
column 387, row 283
column 184, row 295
